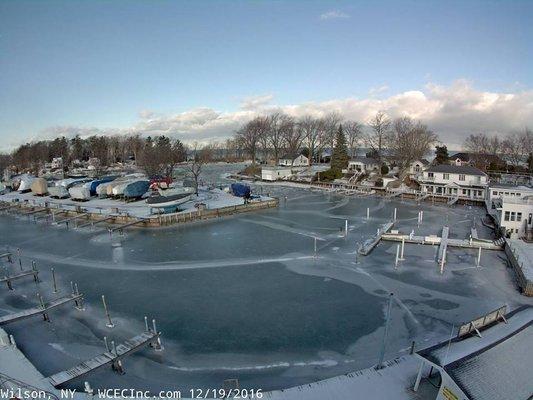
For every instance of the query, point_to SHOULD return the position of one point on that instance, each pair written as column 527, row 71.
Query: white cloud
column 254, row 103
column 377, row 90
column 334, row 14
column 452, row 111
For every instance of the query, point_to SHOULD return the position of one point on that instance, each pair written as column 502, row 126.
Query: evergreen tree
column 339, row 157
column 441, row 154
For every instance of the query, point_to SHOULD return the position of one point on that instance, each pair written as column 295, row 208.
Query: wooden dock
column 92, row 223
column 369, row 245
column 74, row 218
column 7, row 279
column 7, row 319
column 127, row 224
column 434, row 240
column 107, row 358
column 443, row 246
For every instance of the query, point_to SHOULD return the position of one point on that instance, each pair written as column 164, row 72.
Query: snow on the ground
column 525, row 256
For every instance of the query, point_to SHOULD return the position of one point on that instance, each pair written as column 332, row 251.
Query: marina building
column 294, row 161
column 455, row 181
column 512, row 208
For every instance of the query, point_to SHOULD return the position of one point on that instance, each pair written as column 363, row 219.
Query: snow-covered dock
column 369, row 245
column 41, row 310
column 109, row 357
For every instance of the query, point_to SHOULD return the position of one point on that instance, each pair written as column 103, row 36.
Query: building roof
column 495, row 366
column 456, row 169
column 422, row 160
column 364, row 160
column 290, row 157
column 469, row 156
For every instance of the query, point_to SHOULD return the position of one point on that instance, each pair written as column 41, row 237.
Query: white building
column 417, row 167
column 299, row 161
column 275, row 173
column 57, row 162
column 463, row 182
column 363, row 164
column 514, row 215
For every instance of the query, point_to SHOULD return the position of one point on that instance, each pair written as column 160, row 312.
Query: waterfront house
column 293, row 161
column 479, row 160
column 456, row 181
column 269, row 173
column 362, row 164
column 417, row 167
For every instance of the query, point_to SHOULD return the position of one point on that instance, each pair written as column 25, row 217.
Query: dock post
column 345, row 228
column 442, row 261
column 401, row 252
column 397, row 256
column 315, row 247
column 385, row 334
column 368, row 213
column 109, row 322
column 421, row 216
column 394, row 214
column 146, row 324
column 106, row 344
column 78, row 302
column 478, row 257
column 41, row 302
column 158, row 346
column 72, row 288
column 419, row 376
column 54, row 280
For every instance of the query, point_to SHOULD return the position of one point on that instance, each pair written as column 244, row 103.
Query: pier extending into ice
column 369, row 245
column 113, row 357
column 42, row 309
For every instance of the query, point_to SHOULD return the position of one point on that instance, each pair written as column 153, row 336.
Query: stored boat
column 170, row 198
column 39, row 186
column 136, row 189
column 25, row 182
column 240, row 190
column 81, row 191
column 96, row 183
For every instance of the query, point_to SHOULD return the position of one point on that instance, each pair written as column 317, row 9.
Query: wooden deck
column 7, row 319
column 107, row 358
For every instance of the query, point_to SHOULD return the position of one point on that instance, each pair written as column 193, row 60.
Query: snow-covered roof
column 456, row 169
column 501, row 372
column 495, row 366
column 364, row 160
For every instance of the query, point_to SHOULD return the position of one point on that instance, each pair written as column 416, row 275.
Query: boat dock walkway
column 7, row 279
column 41, row 310
column 74, row 218
column 437, row 240
column 369, row 245
column 92, row 223
column 443, row 243
column 109, row 357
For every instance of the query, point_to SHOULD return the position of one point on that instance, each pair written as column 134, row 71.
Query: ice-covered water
column 244, row 297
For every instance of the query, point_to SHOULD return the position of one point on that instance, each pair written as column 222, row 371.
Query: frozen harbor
column 245, row 297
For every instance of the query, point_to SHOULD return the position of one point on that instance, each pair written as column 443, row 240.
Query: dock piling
column 385, row 334
column 110, row 323
column 345, row 228
column 401, row 252
column 368, row 213
column 106, row 344
column 397, row 256
column 478, row 258
column 54, row 279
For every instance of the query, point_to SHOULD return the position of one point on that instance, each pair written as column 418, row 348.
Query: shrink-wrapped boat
column 135, row 189
column 39, row 186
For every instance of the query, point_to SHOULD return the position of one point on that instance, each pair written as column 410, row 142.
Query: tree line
column 400, row 141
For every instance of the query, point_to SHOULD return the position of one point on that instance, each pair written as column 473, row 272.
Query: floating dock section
column 107, row 358
column 41, row 310
column 443, row 246
column 369, row 245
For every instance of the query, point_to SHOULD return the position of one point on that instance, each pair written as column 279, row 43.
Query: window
column 519, row 216
column 445, row 176
column 513, row 215
column 464, row 191
column 507, row 213
column 462, row 177
column 494, row 193
column 430, row 174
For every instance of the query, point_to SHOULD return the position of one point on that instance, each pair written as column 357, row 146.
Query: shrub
column 330, row 175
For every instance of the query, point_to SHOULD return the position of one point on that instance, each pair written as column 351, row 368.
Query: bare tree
column 312, row 132
column 380, row 125
column 277, row 124
column 354, row 134
column 248, row 136
column 200, row 157
column 330, row 127
column 293, row 138
column 408, row 141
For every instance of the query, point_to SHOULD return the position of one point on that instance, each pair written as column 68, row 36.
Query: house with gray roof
column 454, row 181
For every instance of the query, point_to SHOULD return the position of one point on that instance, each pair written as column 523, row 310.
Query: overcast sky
column 196, row 70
